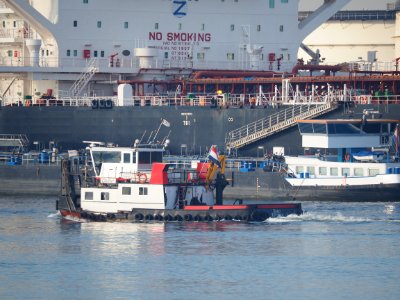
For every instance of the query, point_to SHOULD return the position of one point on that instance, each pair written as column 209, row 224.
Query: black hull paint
column 69, row 126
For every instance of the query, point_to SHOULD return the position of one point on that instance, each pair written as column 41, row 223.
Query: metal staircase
column 84, row 78
column 282, row 120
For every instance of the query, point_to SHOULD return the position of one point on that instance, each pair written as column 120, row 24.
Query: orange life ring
column 28, row 102
column 347, row 157
column 363, row 99
column 142, row 177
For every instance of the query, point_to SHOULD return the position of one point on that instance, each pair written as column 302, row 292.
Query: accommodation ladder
column 275, row 123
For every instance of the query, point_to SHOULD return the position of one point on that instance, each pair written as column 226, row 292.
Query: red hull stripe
column 271, row 206
column 66, row 213
column 216, row 207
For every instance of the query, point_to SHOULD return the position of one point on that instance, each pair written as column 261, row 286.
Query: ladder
column 275, row 123
column 84, row 78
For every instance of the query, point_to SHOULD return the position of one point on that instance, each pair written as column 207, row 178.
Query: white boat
column 337, row 171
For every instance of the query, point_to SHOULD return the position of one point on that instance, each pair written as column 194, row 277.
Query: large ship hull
column 192, row 129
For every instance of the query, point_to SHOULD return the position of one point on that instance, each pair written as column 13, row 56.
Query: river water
column 333, row 251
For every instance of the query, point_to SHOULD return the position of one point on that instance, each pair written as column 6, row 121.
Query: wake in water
column 54, row 215
column 318, row 217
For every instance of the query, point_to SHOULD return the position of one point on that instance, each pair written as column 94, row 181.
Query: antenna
column 151, row 133
column 140, row 141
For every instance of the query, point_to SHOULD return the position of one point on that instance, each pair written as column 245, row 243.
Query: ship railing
column 274, row 123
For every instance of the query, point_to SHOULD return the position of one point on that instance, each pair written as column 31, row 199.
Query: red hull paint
column 67, row 213
column 216, row 207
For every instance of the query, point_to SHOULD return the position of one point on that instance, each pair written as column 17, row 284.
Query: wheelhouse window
column 127, row 158
column 75, row 23
column 150, row 157
column 105, row 196
column 88, row 195
column 106, row 157
column 358, row 172
column 143, row 191
column 323, row 171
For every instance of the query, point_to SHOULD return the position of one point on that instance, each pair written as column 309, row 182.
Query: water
column 333, row 251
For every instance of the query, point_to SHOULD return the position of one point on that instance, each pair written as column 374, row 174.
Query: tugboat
column 134, row 185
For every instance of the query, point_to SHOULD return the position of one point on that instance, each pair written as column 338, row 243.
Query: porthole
column 126, row 53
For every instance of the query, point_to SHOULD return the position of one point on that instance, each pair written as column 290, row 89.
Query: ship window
column 180, row 26
column 230, row 56
column 358, row 172
column 68, row 52
column 102, row 53
column 95, row 53
column 75, row 52
column 271, row 3
column 127, row 158
column 98, row 24
column 281, row 28
column 104, row 196
column 373, row 172
column 85, row 1
column 106, row 157
column 4, row 24
column 88, row 195
column 319, row 128
column 334, row 171
column 15, row 23
column 10, row 53
column 342, row 128
column 203, row 27
column 299, row 169
column 311, row 170
column 75, row 23
column 200, row 56
column 284, row 1
column 323, row 171
column 345, row 171
column 166, row 55
column 156, row 26
column 232, row 27
column 258, row 27
column 149, row 157
column 126, row 190
column 143, row 191
column 126, row 53
column 126, row 25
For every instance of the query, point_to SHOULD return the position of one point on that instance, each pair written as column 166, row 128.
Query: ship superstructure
column 69, row 48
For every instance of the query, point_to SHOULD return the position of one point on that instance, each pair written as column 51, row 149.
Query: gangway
column 84, row 78
column 275, row 123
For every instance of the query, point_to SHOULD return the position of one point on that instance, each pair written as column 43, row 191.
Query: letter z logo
column 179, row 8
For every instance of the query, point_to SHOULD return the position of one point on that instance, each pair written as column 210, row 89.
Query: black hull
column 69, row 126
column 245, row 213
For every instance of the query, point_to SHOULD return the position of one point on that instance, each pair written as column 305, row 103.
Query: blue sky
column 353, row 5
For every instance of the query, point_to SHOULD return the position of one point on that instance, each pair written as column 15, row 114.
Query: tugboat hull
column 246, row 213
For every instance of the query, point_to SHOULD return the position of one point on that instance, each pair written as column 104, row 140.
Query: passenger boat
column 134, row 185
column 337, row 169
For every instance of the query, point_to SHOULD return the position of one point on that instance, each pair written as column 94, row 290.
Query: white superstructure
column 48, row 45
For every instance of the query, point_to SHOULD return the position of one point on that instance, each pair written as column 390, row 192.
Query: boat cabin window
column 105, row 196
column 358, row 172
column 88, row 195
column 312, row 128
column 334, row 171
column 323, row 171
column 143, row 191
column 299, row 169
column 106, row 157
column 150, row 157
column 127, row 158
column 373, row 172
column 311, row 170
column 126, row 190
column 345, row 171
column 342, row 129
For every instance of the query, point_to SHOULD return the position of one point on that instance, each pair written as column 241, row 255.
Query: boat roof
column 348, row 121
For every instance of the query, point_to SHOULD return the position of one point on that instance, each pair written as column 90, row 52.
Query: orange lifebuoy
column 28, row 102
column 347, row 157
column 142, row 177
column 363, row 99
